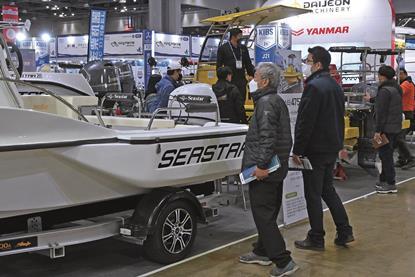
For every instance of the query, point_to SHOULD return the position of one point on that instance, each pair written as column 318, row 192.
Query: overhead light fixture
column 54, row 13
column 70, row 39
column 115, row 8
column 47, row 7
column 45, row 37
column 20, row 36
column 134, row 8
column 72, row 14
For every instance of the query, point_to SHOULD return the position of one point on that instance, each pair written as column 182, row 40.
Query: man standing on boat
column 235, row 55
column 269, row 135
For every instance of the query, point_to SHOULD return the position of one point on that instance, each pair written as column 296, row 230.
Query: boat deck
column 384, row 228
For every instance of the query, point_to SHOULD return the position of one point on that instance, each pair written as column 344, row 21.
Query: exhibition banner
column 97, row 18
column 52, row 48
column 265, row 44
column 72, row 46
column 290, row 90
column 197, row 43
column 40, row 47
column 346, row 22
column 123, row 44
column 10, row 14
column 147, row 46
column 171, row 45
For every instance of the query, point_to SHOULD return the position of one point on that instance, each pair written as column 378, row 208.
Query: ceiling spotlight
column 54, row 13
column 20, row 36
column 134, row 8
column 47, row 7
column 46, row 37
column 115, row 8
column 72, row 14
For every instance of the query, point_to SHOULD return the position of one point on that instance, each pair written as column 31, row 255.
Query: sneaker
column 342, row 240
column 409, row 165
column 400, row 163
column 308, row 244
column 252, row 258
column 387, row 189
column 380, row 185
column 289, row 269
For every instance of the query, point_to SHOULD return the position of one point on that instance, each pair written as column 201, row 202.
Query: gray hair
column 271, row 72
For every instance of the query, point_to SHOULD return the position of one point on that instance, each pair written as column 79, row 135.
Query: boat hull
column 54, row 178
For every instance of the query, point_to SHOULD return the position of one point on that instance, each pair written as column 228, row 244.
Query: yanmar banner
column 10, row 14
column 344, row 22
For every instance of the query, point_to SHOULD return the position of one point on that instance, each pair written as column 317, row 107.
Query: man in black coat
column 388, row 113
column 236, row 56
column 319, row 134
column 269, row 135
column 231, row 105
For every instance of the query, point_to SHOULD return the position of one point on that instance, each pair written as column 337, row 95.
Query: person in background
column 406, row 160
column 319, row 135
column 269, row 134
column 231, row 105
column 165, row 86
column 388, row 113
column 236, row 56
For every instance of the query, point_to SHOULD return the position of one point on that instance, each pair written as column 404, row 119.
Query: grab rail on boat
column 47, row 92
column 189, row 108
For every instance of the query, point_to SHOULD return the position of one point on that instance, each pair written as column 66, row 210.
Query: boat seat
column 48, row 104
column 132, row 122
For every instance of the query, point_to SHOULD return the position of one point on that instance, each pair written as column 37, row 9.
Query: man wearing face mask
column 269, row 134
column 236, row 56
column 319, row 134
column 165, row 86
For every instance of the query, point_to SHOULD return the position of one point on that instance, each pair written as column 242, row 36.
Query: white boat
column 50, row 161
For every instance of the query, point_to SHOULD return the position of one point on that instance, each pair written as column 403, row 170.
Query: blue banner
column 97, row 18
column 265, row 44
column 147, row 42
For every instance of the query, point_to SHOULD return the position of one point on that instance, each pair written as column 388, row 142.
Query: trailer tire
column 172, row 239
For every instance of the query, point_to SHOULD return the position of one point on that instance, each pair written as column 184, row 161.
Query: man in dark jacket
column 236, row 56
column 231, row 105
column 405, row 159
column 388, row 111
column 319, row 134
column 269, row 134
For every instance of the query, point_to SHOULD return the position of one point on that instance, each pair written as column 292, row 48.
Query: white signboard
column 172, row 45
column 123, row 44
column 72, row 46
column 341, row 21
column 293, row 200
column 52, row 47
column 197, row 43
column 266, row 38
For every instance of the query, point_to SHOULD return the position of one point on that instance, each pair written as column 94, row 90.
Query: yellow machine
column 220, row 25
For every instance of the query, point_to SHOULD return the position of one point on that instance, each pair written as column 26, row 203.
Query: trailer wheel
column 173, row 235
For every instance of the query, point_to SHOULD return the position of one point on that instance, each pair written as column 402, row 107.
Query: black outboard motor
column 115, row 82
column 102, row 76
column 126, row 77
